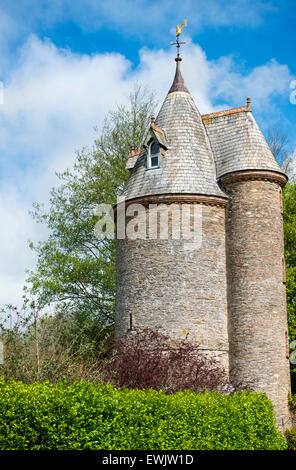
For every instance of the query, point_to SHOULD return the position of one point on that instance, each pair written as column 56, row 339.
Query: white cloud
column 53, row 91
column 263, row 83
column 16, row 228
column 54, row 98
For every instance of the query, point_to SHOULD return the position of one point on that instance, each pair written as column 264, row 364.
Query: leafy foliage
column 289, row 203
column 278, row 143
column 292, row 403
column 291, row 438
column 146, row 358
column 51, row 347
column 90, row 416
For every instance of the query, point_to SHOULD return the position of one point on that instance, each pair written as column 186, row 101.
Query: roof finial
column 248, row 102
column 178, row 43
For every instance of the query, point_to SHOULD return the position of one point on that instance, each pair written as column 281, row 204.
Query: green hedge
column 90, row 416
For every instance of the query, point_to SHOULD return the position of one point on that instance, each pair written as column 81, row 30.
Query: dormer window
column 153, row 155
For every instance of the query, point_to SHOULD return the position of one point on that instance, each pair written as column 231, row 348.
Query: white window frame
column 149, row 157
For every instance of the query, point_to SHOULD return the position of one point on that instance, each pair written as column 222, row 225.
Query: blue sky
column 64, row 64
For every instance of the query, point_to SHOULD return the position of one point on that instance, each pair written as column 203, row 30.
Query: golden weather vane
column 179, row 28
column 178, row 32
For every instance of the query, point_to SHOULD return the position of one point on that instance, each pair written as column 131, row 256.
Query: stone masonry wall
column 256, row 290
column 160, row 283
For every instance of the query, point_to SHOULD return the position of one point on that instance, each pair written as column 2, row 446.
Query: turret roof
column 187, row 166
column 237, row 142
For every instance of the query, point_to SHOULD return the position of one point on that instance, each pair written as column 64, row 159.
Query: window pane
column 154, row 148
column 154, row 161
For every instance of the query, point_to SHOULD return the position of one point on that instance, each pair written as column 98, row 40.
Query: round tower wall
column 259, row 353
column 173, row 284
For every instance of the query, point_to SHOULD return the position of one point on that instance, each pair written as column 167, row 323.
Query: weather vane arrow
column 178, row 32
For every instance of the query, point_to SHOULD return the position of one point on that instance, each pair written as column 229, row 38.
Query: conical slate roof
column 237, row 142
column 187, row 166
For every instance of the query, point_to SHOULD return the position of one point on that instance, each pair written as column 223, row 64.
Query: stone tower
column 161, row 281
column 226, row 287
column 258, row 335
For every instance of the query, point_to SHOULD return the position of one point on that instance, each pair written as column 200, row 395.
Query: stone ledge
column 175, row 198
column 245, row 175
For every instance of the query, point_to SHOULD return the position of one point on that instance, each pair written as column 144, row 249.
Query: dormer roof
column 157, row 133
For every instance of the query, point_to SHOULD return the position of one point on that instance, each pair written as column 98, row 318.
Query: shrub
column 291, row 438
column 146, row 358
column 292, row 403
column 61, row 346
column 58, row 347
column 94, row 416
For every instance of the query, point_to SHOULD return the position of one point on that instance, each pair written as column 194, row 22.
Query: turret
column 165, row 279
column 253, row 180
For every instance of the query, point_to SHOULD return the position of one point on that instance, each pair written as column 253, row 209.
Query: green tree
column 75, row 270
column 278, row 142
column 289, row 200
column 279, row 145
